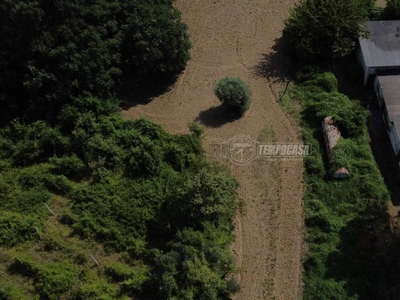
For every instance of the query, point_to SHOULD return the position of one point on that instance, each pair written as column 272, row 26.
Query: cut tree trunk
column 332, row 136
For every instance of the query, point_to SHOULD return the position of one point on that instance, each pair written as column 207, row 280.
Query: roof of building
column 390, row 90
column 382, row 48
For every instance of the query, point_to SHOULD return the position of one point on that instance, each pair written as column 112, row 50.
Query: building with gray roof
column 379, row 56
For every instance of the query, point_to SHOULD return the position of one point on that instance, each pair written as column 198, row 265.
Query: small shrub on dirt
column 233, row 286
column 234, row 94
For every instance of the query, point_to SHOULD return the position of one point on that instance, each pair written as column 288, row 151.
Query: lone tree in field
column 234, row 94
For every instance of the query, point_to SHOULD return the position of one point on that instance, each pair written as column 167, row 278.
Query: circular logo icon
column 242, row 149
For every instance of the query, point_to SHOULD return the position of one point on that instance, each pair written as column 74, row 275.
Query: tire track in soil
column 229, row 38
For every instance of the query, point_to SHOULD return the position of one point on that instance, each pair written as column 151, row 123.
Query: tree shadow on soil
column 216, row 116
column 133, row 95
column 273, row 66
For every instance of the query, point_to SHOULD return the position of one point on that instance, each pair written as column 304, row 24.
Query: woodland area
column 77, row 180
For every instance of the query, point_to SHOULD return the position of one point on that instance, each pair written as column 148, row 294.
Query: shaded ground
column 384, row 156
column 351, row 84
column 236, row 38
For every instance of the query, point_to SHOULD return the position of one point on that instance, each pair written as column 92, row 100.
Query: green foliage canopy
column 54, row 52
column 135, row 189
column 147, row 196
column 319, row 30
column 234, row 94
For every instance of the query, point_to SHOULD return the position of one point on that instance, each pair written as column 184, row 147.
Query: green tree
column 53, row 53
column 156, row 44
column 187, row 270
column 392, row 10
column 207, row 194
column 234, row 94
column 319, row 30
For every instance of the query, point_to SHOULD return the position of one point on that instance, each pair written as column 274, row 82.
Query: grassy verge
column 346, row 258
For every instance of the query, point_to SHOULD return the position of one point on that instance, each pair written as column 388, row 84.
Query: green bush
column 16, row 228
column 35, row 143
column 205, row 196
column 317, row 31
column 99, row 148
column 53, row 280
column 130, row 278
column 69, row 166
column 96, row 290
column 5, row 166
column 376, row 12
column 11, row 292
column 196, row 254
column 349, row 115
column 118, row 271
column 145, row 160
column 320, row 289
column 234, row 94
column 327, row 81
column 160, row 51
column 313, row 163
column 196, row 129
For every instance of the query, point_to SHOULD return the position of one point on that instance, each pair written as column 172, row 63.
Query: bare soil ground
column 233, row 38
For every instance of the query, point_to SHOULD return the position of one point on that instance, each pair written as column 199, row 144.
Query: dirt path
column 230, row 38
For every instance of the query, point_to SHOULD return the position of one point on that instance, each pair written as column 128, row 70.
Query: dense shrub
column 11, row 292
column 26, row 145
column 52, row 280
column 116, row 181
column 204, row 196
column 85, row 50
column 96, row 290
column 319, row 30
column 69, row 166
column 324, row 101
column 327, row 81
column 16, row 229
column 234, row 94
column 131, row 278
column 197, row 254
column 158, row 52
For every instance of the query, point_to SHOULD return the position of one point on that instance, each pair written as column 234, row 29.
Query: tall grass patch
column 338, row 213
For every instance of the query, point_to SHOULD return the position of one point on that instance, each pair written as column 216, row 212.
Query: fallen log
column 332, row 136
